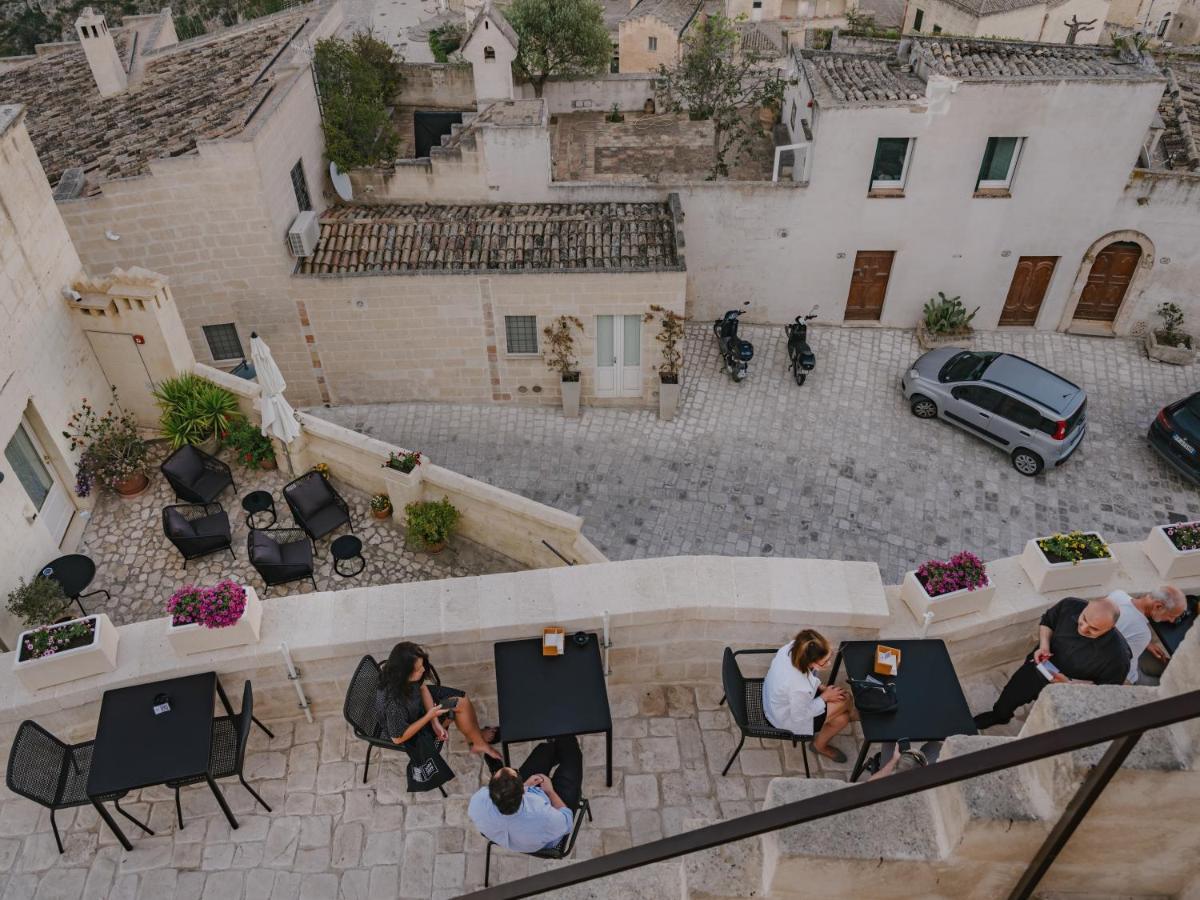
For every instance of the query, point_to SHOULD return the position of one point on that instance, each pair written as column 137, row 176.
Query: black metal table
column 931, row 703
column 257, row 502
column 1171, row 634
column 73, row 573
column 543, row 697
column 344, row 549
column 136, row 749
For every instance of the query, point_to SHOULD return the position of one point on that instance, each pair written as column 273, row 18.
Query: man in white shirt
column 1163, row 605
column 526, row 809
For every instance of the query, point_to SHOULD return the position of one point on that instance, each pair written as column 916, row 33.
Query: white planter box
column 194, row 638
column 668, row 400
column 571, row 392
column 96, row 658
column 1169, row 560
column 403, row 487
column 943, row 606
column 1065, row 576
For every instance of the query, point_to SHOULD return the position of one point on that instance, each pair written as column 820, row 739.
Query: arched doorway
column 1108, row 281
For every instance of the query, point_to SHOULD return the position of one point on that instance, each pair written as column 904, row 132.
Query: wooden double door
column 1030, row 280
column 1108, row 281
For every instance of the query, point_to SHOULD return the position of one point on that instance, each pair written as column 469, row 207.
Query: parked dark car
column 1175, row 436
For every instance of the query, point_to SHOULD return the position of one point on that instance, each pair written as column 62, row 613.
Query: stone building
column 651, row 33
column 1020, row 20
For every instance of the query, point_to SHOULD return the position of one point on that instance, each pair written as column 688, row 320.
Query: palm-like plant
column 194, row 409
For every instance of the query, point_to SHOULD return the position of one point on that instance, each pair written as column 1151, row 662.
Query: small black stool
column 344, row 549
column 258, row 502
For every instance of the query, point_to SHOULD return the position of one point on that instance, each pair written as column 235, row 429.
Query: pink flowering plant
column 51, row 639
column 218, row 606
column 1185, row 536
column 963, row 571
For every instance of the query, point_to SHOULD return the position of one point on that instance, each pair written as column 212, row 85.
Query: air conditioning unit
column 304, row 234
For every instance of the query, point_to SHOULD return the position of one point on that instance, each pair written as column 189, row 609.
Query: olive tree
column 559, row 37
column 357, row 81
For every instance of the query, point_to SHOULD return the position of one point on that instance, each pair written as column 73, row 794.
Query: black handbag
column 426, row 768
column 873, row 696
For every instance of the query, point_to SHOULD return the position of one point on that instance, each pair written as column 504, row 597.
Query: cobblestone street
column 838, row 468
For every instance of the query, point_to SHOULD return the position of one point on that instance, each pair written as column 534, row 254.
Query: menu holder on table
column 553, row 641
column 887, row 660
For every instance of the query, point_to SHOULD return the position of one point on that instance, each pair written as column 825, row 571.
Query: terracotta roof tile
column 1180, row 110
column 968, row 58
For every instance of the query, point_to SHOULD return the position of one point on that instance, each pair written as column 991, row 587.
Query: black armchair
column 195, row 476
column 54, row 774
column 315, row 505
column 561, row 850
column 281, row 555
column 744, row 696
column 197, row 529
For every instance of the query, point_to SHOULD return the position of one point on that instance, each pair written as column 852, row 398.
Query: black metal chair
column 281, row 555
column 315, row 505
column 361, row 710
column 197, row 529
column 744, row 696
column 561, row 850
column 54, row 774
column 230, row 735
column 195, row 476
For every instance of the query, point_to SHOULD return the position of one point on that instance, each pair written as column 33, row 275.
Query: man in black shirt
column 1079, row 638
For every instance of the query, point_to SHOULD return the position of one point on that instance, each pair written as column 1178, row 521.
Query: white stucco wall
column 493, row 77
column 1037, row 22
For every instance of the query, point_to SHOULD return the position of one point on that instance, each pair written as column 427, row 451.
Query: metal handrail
column 1124, row 727
column 556, row 553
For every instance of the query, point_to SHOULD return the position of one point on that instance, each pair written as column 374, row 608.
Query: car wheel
column 922, row 407
column 1027, row 462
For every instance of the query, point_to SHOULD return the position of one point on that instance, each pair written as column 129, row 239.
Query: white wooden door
column 31, row 466
column 121, row 359
column 618, row 356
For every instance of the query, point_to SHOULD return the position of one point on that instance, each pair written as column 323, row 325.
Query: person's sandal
column 495, row 729
column 832, row 753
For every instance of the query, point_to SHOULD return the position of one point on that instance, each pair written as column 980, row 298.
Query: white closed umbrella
column 278, row 417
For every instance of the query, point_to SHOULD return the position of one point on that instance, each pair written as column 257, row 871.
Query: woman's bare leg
column 837, row 717
column 468, row 723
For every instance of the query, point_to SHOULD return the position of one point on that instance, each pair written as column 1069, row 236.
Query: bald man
column 1080, row 638
column 1166, row 604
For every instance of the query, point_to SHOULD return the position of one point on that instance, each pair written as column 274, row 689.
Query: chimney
column 101, row 50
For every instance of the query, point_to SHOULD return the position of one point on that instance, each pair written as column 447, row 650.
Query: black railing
column 1124, row 728
column 550, row 547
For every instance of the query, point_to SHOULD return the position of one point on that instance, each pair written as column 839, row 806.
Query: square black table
column 931, row 705
column 543, row 697
column 1172, row 633
column 135, row 748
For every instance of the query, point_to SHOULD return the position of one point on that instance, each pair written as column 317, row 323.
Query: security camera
column 72, row 294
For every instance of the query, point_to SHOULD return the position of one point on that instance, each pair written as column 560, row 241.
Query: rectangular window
column 918, row 20
column 1164, row 24
column 614, row 65
column 520, row 334
column 300, row 186
column 891, row 163
column 757, row 4
column 223, row 342
column 653, row 44
column 937, row 29
column 999, row 163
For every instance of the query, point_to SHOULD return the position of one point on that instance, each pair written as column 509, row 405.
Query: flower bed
column 210, row 618
column 947, row 588
column 1061, row 562
column 51, row 639
column 55, row 654
column 1175, row 550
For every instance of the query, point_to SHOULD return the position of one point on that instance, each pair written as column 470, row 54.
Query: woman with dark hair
column 794, row 698
column 408, row 702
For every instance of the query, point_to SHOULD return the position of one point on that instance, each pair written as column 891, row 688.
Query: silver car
column 1037, row 417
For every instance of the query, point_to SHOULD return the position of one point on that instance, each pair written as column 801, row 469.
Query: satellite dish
column 341, row 182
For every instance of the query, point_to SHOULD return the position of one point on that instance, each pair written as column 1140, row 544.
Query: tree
column 717, row 79
column 357, row 81
column 559, row 37
column 1074, row 26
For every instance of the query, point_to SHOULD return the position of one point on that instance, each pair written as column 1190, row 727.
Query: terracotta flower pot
column 435, row 548
column 133, row 485
column 382, row 513
column 267, row 464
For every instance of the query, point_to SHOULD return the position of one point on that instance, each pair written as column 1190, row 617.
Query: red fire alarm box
column 139, row 339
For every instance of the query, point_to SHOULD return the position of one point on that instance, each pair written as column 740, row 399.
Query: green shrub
column 37, row 602
column 250, row 446
column 445, row 40
column 357, row 81
column 194, row 409
column 947, row 315
column 430, row 522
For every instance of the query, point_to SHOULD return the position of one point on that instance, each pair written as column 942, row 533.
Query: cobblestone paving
column 329, row 836
column 837, row 469
column 140, row 568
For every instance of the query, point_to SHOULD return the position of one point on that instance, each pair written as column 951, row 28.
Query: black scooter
column 735, row 353
column 802, row 359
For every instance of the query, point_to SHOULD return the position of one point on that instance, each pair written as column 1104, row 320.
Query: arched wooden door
column 1108, row 281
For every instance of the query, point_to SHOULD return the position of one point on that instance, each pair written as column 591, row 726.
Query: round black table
column 258, row 502
column 73, row 573
column 344, row 549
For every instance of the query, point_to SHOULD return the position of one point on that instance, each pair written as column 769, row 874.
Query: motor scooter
column 801, row 358
column 735, row 352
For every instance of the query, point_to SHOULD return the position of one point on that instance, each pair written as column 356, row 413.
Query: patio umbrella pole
column 294, row 678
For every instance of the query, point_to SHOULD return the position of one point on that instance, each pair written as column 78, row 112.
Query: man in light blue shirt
column 527, row 810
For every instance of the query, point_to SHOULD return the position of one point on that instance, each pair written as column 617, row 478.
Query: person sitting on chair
column 795, row 700
column 406, row 704
column 1166, row 604
column 527, row 809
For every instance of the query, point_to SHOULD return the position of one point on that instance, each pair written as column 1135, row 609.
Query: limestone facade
column 1016, row 19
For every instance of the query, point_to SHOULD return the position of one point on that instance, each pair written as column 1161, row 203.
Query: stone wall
column 634, row 42
column 436, row 85
column 629, row 91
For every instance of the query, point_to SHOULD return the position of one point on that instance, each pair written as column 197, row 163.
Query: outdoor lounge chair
column 195, row 476
column 281, row 555
column 561, row 850
column 744, row 696
column 315, row 505
column 197, row 529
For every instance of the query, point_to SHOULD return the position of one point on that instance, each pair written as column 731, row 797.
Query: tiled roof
column 969, row 58
column 678, row 14
column 503, row 237
column 765, row 38
column 1180, row 110
column 201, row 89
column 859, row 77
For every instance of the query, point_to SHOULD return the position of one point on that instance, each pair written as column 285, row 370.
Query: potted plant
column 55, row 654
column 200, row 619
column 402, row 476
column 37, row 602
column 1170, row 344
column 945, row 322
column 560, row 357
column 195, row 411
column 952, row 587
column 614, row 114
column 113, row 454
column 670, row 335
column 1061, row 562
column 381, row 506
column 1175, row 550
column 321, row 469
column 430, row 523
column 404, row 461
column 250, row 446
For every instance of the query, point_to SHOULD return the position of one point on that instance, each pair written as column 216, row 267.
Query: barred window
column 520, row 334
column 223, row 341
column 300, row 186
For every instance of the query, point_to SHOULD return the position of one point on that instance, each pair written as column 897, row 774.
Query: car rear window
column 966, row 366
column 1076, row 417
column 1187, row 415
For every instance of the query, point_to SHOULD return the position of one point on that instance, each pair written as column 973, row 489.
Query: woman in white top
column 794, row 698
